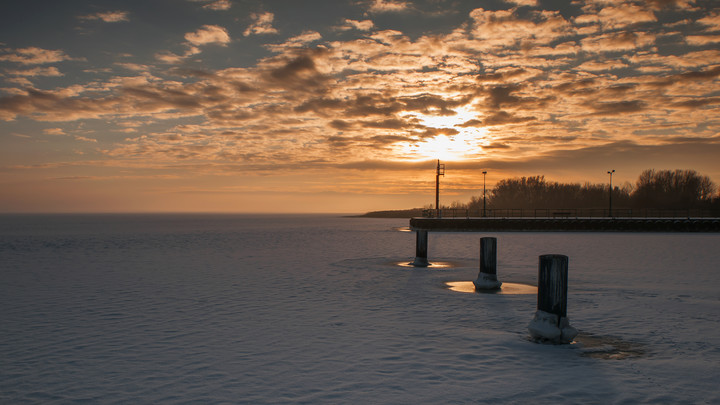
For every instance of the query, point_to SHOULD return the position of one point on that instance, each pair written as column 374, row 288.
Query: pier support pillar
column 421, row 249
column 550, row 323
column 487, row 277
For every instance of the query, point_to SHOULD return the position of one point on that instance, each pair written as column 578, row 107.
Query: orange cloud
column 262, row 24
column 218, row 5
column 208, row 34
column 35, row 56
column 505, row 28
column 387, row 6
column 108, row 16
column 365, row 25
column 51, row 71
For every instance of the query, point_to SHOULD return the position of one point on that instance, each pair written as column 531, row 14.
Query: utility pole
column 611, row 190
column 440, row 172
column 484, row 173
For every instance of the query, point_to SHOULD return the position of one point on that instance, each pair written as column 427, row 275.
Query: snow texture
column 203, row 309
column 551, row 328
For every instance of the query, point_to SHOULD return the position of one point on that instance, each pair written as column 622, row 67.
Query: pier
column 421, row 226
column 551, row 224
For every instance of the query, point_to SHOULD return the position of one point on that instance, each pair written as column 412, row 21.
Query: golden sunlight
column 466, row 144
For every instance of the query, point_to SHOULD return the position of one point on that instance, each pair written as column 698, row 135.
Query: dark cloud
column 293, row 68
column 388, row 139
column 500, row 77
column 506, row 97
column 298, row 73
column 618, row 107
column 341, row 125
column 393, row 123
column 433, row 132
column 320, row 105
column 503, row 117
column 172, row 98
column 691, row 76
column 428, row 103
column 45, row 105
column 697, row 102
column 496, row 146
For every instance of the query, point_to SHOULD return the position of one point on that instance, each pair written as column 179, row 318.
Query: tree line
column 654, row 189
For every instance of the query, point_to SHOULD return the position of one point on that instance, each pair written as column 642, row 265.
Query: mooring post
column 487, row 277
column 421, row 249
column 550, row 322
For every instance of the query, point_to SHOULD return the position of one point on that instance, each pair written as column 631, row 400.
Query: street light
column 611, row 173
column 484, row 173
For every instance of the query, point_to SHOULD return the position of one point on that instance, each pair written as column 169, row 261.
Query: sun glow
column 463, row 145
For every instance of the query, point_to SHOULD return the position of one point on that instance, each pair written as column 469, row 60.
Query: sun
column 464, row 145
column 441, row 147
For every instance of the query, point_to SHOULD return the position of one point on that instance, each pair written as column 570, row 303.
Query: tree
column 673, row 189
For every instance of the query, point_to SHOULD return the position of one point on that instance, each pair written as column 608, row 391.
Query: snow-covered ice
column 316, row 309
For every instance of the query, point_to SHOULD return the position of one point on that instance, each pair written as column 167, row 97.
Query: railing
column 570, row 213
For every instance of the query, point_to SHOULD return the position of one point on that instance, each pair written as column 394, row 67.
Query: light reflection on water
column 433, row 265
column 506, row 288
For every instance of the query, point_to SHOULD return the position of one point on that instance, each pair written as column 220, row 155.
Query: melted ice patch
column 505, row 289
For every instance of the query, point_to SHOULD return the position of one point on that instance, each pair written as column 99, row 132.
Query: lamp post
column 484, row 173
column 611, row 190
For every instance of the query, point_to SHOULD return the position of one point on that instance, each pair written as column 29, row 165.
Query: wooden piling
column 550, row 322
column 421, row 249
column 487, row 277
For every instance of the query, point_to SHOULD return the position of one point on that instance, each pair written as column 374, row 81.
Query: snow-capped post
column 550, row 322
column 421, row 249
column 487, row 277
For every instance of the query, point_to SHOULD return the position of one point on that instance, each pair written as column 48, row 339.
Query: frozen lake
column 316, row 309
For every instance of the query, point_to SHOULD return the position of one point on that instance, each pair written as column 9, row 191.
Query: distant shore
column 409, row 213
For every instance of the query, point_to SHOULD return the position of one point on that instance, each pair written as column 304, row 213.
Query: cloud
column 365, row 25
column 622, row 16
column 530, row 3
column 208, row 34
column 296, row 42
column 108, row 16
column 54, row 131
column 712, row 22
column 701, row 40
column 618, row 107
column 388, row 6
column 677, row 4
column 172, row 58
column 51, row 71
column 35, row 56
column 600, row 66
column 515, row 83
column 505, row 28
column 261, row 25
column 219, row 5
column 503, row 118
column 617, row 42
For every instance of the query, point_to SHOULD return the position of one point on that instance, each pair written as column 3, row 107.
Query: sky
column 343, row 106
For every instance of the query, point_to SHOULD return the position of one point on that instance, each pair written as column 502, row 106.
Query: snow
column 317, row 309
column 546, row 327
